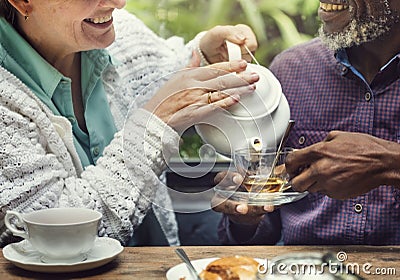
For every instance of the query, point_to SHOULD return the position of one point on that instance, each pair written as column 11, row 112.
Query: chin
column 101, row 41
column 108, row 39
column 359, row 31
column 106, row 44
column 354, row 34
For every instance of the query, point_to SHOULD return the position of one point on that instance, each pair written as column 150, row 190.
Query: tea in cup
column 58, row 234
column 258, row 171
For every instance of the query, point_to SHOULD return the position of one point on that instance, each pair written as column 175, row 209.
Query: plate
column 259, row 199
column 23, row 255
column 180, row 271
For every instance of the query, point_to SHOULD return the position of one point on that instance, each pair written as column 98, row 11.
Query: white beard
column 360, row 31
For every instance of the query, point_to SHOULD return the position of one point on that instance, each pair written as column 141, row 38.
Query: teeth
column 332, row 7
column 100, row 20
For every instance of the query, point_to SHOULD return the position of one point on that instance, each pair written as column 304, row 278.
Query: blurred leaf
column 218, row 9
column 277, row 24
column 255, row 18
column 287, row 28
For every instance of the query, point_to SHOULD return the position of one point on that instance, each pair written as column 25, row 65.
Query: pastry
column 231, row 268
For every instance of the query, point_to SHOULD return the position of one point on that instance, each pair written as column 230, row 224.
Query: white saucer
column 24, row 256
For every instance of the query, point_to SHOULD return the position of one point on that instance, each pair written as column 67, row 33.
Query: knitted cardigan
column 40, row 168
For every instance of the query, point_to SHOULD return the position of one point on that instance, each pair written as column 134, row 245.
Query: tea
column 263, row 184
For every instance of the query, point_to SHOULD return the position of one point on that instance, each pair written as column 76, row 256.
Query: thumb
column 195, row 60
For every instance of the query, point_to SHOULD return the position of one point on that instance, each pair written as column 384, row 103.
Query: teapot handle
column 234, row 51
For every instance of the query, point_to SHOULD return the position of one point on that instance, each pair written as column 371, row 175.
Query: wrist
column 392, row 175
column 203, row 59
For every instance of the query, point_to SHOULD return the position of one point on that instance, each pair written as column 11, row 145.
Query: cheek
column 378, row 8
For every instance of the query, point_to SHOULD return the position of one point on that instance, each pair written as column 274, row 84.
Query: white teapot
column 260, row 117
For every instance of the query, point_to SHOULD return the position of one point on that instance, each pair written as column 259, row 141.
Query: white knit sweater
column 40, row 168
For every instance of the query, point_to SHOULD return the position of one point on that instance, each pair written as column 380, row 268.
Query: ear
column 24, row 7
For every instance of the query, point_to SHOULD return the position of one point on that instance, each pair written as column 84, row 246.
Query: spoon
column 282, row 143
column 182, row 254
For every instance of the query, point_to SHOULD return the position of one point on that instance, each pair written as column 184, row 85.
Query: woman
column 68, row 138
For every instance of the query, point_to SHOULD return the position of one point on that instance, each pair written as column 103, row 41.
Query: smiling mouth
column 99, row 19
column 328, row 7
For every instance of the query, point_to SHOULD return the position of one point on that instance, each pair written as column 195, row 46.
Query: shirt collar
column 25, row 62
column 342, row 57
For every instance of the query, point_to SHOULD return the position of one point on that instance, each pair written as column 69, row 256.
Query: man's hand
column 345, row 165
column 237, row 213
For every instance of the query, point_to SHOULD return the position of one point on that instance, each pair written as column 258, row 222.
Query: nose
column 117, row 4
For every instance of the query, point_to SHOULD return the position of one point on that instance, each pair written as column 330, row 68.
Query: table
column 153, row 262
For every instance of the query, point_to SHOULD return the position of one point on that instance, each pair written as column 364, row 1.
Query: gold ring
column 209, row 101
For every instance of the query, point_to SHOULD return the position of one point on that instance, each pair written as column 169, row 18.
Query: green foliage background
column 278, row 24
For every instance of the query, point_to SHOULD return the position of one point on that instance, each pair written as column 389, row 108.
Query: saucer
column 258, row 199
column 23, row 255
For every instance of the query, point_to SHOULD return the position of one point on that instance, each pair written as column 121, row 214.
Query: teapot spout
column 255, row 143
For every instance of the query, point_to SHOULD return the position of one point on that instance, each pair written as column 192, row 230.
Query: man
column 344, row 93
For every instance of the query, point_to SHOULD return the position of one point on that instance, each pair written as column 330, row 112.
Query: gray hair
column 8, row 12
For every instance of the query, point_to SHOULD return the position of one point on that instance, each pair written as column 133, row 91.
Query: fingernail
column 243, row 63
column 241, row 209
column 241, row 37
column 255, row 76
column 237, row 179
column 268, row 208
column 237, row 99
column 252, row 87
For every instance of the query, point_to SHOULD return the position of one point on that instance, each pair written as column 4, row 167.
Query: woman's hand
column 213, row 46
column 192, row 94
column 237, row 213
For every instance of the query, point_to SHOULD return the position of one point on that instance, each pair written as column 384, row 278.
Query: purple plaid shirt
column 327, row 94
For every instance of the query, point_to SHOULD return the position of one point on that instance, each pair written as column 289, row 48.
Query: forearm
column 121, row 185
column 126, row 178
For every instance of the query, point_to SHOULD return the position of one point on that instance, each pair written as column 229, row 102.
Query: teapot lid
column 268, row 91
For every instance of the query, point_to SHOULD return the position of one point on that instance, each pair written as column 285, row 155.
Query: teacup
column 58, row 234
column 264, row 170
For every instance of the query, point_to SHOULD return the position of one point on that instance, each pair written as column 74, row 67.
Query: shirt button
column 302, row 140
column 367, row 96
column 344, row 70
column 358, row 208
column 96, row 151
column 71, row 120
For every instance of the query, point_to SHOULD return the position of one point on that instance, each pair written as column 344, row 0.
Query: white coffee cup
column 59, row 234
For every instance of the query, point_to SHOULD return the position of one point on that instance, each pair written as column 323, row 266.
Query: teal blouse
column 54, row 90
